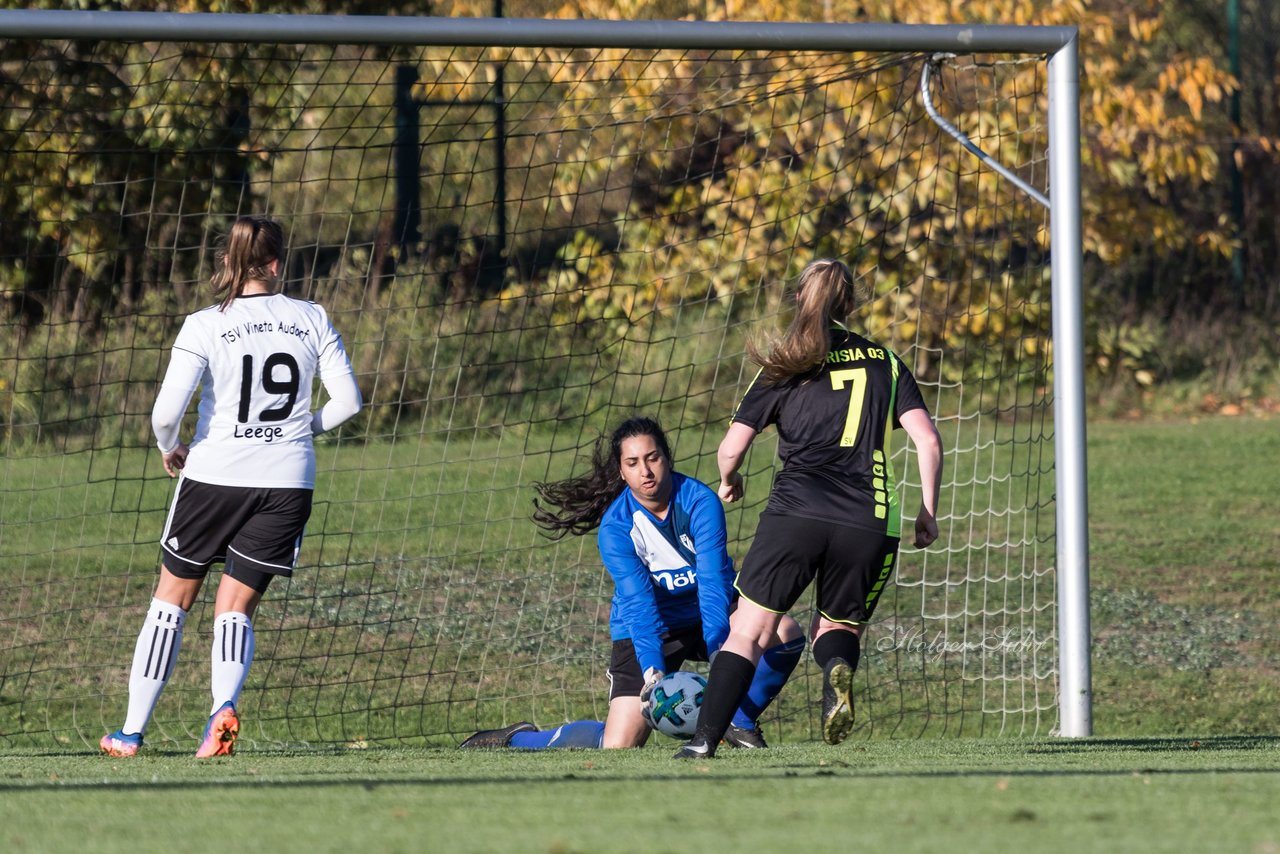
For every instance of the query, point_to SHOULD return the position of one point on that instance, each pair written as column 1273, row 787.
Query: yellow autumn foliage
column 601, row 139
column 1144, row 106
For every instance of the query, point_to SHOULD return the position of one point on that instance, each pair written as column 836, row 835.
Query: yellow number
column 858, row 377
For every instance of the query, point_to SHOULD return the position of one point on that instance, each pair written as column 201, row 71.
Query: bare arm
column 928, row 444
column 733, row 450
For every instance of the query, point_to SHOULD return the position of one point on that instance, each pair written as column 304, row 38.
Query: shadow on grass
column 1116, row 745
column 681, row 771
column 370, row 785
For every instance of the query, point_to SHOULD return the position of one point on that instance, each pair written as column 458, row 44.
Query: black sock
column 727, row 684
column 837, row 644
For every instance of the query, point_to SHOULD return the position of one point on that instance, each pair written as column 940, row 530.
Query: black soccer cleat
column 751, row 739
column 698, row 747
column 837, row 701
column 494, row 738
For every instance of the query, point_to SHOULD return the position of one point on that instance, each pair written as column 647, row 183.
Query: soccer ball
column 673, row 705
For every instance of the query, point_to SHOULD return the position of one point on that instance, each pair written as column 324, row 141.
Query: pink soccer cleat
column 220, row 733
column 120, row 744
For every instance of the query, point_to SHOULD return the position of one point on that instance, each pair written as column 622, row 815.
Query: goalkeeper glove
column 652, row 677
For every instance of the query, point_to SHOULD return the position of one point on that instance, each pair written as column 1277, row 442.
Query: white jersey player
column 246, row 478
column 254, row 363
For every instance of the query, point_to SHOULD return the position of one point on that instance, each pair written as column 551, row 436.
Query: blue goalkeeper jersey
column 668, row 574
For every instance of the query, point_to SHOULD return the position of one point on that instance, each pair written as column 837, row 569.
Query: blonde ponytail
column 826, row 293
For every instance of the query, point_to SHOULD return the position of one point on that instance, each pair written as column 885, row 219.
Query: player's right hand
column 730, row 488
column 175, row 460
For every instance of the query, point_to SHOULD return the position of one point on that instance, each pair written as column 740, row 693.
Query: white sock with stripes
column 232, row 655
column 153, row 660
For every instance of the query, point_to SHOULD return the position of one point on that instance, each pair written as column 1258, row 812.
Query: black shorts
column 851, row 565
column 625, row 678
column 255, row 531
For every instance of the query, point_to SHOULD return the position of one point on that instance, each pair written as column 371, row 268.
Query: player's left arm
column 913, row 416
column 339, row 381
column 343, row 403
column 714, row 567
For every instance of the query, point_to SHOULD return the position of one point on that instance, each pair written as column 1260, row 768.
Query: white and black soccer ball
column 673, row 705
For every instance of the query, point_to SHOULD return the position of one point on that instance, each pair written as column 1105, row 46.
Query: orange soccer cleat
column 120, row 744
column 220, row 734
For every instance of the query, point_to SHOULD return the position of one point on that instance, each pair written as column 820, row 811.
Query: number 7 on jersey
column 858, row 392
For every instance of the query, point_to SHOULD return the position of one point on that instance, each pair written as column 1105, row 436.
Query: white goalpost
column 527, row 230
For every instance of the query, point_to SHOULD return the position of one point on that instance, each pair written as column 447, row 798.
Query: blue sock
column 573, row 734
column 771, row 674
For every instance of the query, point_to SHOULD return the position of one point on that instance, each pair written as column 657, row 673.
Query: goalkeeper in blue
column 662, row 538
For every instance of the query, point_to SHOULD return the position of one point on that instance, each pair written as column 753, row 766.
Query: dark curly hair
column 580, row 501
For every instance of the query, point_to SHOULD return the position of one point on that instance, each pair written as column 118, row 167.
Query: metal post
column 1233, row 168
column 529, row 32
column 407, row 230
column 500, row 150
column 500, row 144
column 1075, row 691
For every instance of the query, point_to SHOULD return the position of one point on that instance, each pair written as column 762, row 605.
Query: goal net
column 522, row 246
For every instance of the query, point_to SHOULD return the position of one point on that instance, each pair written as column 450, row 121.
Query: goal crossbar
column 529, row 32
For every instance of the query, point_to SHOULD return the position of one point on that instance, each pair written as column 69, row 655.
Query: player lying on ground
column 244, row 494
column 662, row 537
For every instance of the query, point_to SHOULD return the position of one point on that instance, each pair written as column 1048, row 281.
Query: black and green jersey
column 834, row 426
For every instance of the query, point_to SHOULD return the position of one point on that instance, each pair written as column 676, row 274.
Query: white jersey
column 255, row 364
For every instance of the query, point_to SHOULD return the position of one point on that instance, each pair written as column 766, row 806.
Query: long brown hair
column 245, row 255
column 580, row 501
column 826, row 293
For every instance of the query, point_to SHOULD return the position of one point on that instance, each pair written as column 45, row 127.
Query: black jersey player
column 832, row 518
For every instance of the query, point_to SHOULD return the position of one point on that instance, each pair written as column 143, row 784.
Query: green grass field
column 1184, row 553
column 935, row 795
column 1186, row 755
